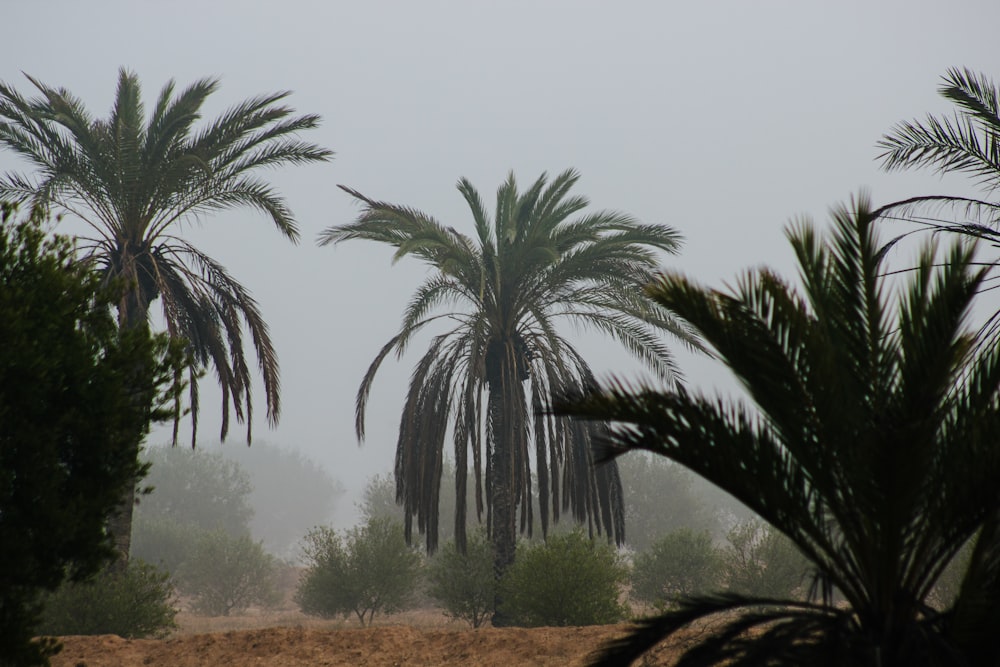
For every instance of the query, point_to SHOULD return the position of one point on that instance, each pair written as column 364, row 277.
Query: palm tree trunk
column 504, row 528
column 504, row 425
column 132, row 314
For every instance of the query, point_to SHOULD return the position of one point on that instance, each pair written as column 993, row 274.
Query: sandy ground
column 289, row 639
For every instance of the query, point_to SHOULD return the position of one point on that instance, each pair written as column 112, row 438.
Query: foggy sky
column 724, row 119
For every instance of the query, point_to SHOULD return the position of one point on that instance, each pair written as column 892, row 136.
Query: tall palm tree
column 871, row 444
column 134, row 180
column 494, row 300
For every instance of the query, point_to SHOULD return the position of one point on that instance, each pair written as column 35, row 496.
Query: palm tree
column 967, row 142
column 871, row 444
column 496, row 299
column 134, row 180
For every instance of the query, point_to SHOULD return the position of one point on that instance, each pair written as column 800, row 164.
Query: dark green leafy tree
column 495, row 300
column 570, row 579
column 74, row 392
column 369, row 570
column 680, row 564
column 134, row 179
column 871, row 446
column 463, row 582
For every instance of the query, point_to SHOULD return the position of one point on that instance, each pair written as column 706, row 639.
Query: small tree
column 762, row 562
column 465, row 583
column 568, row 580
column 133, row 602
column 370, row 570
column 680, row 564
column 226, row 573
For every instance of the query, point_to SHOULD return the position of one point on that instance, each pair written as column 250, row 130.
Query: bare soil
column 290, row 639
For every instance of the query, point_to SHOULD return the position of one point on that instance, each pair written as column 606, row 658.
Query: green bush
column 762, row 562
column 680, row 564
column 568, row 580
column 370, row 570
column 226, row 573
column 464, row 584
column 135, row 602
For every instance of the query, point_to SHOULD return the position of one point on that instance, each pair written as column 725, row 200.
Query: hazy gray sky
column 723, row 119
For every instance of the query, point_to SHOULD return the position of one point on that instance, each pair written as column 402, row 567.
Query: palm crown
column 495, row 299
column 132, row 180
column 871, row 446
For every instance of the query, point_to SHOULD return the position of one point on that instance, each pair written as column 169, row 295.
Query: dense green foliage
column 74, row 395
column 680, row 564
column 871, row 446
column 569, row 579
column 369, row 570
column 226, row 573
column 464, row 583
column 133, row 602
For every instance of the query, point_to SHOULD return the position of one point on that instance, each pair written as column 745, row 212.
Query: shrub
column 681, row 563
column 568, row 580
column 762, row 562
column 465, row 584
column 370, row 570
column 226, row 573
column 134, row 602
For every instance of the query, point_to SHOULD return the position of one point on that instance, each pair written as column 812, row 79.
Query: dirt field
column 289, row 639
